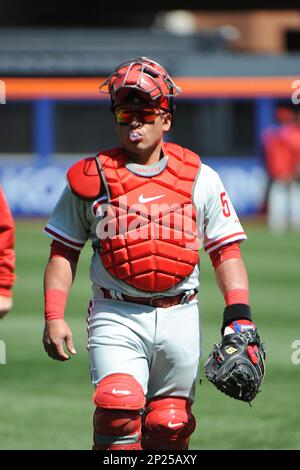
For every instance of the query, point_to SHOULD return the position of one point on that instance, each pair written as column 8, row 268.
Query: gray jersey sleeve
column 69, row 222
column 218, row 223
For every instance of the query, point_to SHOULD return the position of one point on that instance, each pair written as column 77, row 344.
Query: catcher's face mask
column 144, row 76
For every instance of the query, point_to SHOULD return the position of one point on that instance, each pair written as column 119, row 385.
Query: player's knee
column 169, row 423
column 119, row 399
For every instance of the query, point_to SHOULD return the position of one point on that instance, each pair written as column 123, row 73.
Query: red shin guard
column 169, row 424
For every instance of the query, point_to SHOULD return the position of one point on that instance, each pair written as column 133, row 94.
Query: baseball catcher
column 236, row 366
column 147, row 206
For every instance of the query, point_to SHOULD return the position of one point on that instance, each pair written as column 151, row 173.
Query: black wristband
column 235, row 312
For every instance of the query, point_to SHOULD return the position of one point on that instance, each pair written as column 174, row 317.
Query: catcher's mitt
column 236, row 366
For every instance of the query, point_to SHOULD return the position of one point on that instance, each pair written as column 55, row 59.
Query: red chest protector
column 151, row 240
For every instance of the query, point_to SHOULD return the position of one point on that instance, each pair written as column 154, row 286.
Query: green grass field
column 46, row 404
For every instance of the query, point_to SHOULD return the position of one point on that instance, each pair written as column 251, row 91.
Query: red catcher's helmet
column 144, row 76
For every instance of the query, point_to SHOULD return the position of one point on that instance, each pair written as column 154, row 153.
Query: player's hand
column 5, row 305
column 56, row 334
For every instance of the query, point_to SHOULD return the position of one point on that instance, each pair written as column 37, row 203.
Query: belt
column 163, row 302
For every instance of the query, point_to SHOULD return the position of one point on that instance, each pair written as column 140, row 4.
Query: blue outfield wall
column 32, row 188
column 245, row 180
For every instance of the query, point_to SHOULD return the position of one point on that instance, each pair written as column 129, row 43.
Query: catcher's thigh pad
column 168, row 424
column 117, row 420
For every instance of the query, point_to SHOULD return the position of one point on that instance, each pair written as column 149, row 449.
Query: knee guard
column 168, row 424
column 119, row 399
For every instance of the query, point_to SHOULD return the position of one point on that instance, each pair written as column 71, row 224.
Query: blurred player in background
column 147, row 206
column 281, row 147
column 7, row 256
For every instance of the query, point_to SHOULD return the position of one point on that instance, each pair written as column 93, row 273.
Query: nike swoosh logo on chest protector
column 143, row 199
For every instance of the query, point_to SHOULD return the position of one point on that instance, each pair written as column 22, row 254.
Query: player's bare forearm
column 231, row 275
column 59, row 275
